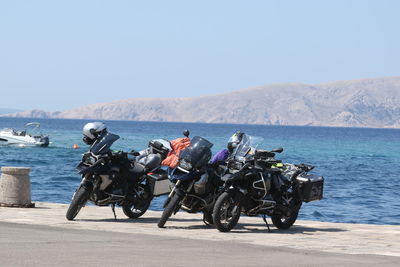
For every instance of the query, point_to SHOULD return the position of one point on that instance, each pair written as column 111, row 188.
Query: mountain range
column 356, row 103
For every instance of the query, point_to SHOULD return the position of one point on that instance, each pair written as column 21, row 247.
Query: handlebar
column 305, row 167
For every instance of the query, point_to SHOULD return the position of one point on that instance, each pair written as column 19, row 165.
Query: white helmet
column 92, row 130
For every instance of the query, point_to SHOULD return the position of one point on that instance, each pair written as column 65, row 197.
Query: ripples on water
column 360, row 166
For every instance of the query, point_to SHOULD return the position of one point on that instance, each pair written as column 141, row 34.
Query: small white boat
column 31, row 136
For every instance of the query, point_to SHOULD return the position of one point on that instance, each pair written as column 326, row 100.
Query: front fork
column 177, row 189
column 173, row 189
column 177, row 184
column 237, row 194
column 88, row 181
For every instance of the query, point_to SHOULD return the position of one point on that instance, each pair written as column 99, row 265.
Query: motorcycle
column 196, row 184
column 112, row 178
column 255, row 183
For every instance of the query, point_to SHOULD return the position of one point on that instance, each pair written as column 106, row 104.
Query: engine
column 261, row 186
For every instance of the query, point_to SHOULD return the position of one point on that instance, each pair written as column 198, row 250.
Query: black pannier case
column 312, row 186
column 159, row 148
column 159, row 183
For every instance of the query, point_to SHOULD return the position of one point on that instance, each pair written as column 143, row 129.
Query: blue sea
column 361, row 166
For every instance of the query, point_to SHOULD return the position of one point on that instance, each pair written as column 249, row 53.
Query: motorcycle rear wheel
column 284, row 222
column 79, row 200
column 226, row 212
column 169, row 209
column 135, row 210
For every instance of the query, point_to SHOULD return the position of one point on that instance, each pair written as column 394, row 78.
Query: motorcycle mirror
column 277, row 150
column 186, row 133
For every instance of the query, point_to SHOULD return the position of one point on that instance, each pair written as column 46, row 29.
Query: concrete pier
column 15, row 187
column 94, row 239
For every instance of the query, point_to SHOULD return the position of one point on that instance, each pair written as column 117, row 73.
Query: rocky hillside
column 357, row 103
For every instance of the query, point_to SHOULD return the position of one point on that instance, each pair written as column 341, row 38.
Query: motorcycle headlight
column 236, row 165
column 185, row 165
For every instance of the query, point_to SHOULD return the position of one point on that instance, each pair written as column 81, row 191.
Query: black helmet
column 234, row 141
column 92, row 130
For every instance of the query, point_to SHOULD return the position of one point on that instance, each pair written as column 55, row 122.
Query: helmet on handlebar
column 92, row 130
column 234, row 141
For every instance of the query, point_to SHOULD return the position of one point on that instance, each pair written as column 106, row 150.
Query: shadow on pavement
column 121, row 220
column 240, row 228
column 139, row 220
column 295, row 229
column 258, row 228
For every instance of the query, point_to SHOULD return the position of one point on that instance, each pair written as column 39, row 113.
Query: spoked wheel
column 226, row 212
column 79, row 200
column 169, row 209
column 284, row 222
column 141, row 203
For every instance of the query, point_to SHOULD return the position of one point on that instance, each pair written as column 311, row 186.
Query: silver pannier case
column 159, row 183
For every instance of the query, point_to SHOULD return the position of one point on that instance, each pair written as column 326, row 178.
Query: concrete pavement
column 42, row 236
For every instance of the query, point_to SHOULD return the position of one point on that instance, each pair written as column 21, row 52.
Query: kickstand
column 113, row 209
column 265, row 220
column 204, row 220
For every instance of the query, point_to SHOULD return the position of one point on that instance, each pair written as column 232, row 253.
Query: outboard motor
column 44, row 141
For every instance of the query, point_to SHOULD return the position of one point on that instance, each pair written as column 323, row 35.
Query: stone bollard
column 15, row 187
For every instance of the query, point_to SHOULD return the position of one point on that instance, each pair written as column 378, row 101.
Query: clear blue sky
column 56, row 55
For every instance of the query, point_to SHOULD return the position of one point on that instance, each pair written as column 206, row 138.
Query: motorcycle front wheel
column 226, row 212
column 141, row 203
column 79, row 200
column 169, row 209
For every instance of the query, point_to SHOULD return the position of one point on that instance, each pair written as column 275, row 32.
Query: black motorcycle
column 112, row 178
column 256, row 183
column 196, row 184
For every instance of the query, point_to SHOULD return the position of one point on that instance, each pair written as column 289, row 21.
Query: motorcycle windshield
column 198, row 142
column 245, row 147
column 198, row 151
column 103, row 144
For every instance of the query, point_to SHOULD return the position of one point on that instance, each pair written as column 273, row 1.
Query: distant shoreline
column 371, row 103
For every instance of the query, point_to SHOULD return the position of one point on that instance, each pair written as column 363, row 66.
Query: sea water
column 360, row 166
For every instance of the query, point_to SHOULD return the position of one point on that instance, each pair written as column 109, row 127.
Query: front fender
column 87, row 182
column 236, row 193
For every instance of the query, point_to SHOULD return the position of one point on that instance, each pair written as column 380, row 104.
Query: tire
column 223, row 217
column 169, row 209
column 284, row 222
column 136, row 209
column 79, row 200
